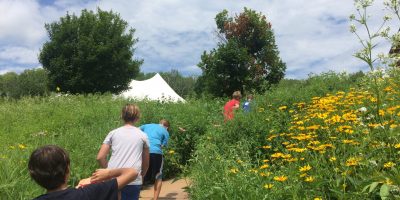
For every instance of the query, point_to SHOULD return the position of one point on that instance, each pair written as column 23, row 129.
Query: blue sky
column 312, row 36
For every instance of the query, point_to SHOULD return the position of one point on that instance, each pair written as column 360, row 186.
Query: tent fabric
column 154, row 88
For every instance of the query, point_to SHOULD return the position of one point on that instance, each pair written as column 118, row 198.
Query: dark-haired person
column 129, row 149
column 49, row 166
column 158, row 137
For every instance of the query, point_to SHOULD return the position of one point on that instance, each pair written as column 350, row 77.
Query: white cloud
column 20, row 22
column 20, row 55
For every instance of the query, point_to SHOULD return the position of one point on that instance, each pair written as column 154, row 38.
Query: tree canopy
column 90, row 53
column 246, row 57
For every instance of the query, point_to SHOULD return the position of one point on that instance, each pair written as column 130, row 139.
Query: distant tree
column 90, row 53
column 33, row 82
column 9, row 85
column 183, row 86
column 246, row 58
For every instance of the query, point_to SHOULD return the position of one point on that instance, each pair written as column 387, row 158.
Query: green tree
column 9, row 85
column 183, row 86
column 33, row 82
column 246, row 58
column 90, row 53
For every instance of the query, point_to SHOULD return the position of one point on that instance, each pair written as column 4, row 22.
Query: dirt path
column 170, row 190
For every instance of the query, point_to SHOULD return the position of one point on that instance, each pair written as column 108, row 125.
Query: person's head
column 49, row 166
column 237, row 95
column 249, row 97
column 165, row 123
column 130, row 113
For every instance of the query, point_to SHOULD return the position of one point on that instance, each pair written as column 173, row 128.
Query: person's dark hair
column 130, row 113
column 49, row 166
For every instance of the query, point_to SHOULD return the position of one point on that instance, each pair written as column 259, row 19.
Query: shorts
column 130, row 192
column 155, row 168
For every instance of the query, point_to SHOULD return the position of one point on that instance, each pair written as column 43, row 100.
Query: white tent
column 154, row 88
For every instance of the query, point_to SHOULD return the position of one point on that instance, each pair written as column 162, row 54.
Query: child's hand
column 100, row 175
column 83, row 183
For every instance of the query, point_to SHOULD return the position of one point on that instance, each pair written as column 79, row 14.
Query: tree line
column 94, row 53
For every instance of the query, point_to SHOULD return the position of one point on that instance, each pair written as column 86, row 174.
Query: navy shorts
column 130, row 192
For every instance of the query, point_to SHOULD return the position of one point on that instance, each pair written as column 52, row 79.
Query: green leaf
column 385, row 191
column 373, row 186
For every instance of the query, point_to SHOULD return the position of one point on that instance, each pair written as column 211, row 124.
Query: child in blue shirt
column 246, row 104
column 158, row 138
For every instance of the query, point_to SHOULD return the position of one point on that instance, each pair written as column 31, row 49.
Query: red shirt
column 228, row 109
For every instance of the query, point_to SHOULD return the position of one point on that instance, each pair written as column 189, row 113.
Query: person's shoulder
column 140, row 132
column 67, row 194
column 103, row 190
column 112, row 183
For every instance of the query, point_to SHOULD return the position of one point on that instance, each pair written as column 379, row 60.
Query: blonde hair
column 164, row 122
column 130, row 113
column 237, row 95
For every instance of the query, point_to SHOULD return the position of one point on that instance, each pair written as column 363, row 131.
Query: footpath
column 170, row 190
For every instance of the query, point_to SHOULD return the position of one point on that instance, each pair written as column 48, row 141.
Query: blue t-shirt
column 246, row 106
column 158, row 135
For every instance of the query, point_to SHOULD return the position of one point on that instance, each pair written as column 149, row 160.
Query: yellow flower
column 317, row 198
column 353, row 161
column 171, row 152
column 389, row 165
column 58, row 89
column 280, row 178
column 239, row 161
column 21, row 146
column 282, row 107
column 332, row 159
column 264, row 166
column 264, row 174
column 397, row 146
column 234, row 170
column 277, row 155
column 266, row 147
column 393, row 126
column 309, row 179
column 268, row 186
column 305, row 168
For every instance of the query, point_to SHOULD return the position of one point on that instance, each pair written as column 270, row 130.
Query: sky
column 312, row 35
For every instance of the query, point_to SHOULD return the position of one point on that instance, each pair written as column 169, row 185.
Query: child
column 129, row 149
column 49, row 166
column 246, row 104
column 232, row 105
column 158, row 136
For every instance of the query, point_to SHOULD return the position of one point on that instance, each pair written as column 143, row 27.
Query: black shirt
column 99, row 191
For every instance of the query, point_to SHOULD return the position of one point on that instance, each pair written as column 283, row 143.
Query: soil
column 171, row 189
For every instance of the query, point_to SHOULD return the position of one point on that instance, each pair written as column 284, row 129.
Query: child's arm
column 102, row 155
column 145, row 160
column 123, row 175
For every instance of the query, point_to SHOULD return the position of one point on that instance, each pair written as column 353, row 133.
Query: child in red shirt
column 232, row 105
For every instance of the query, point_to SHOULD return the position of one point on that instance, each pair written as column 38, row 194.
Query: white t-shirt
column 127, row 145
